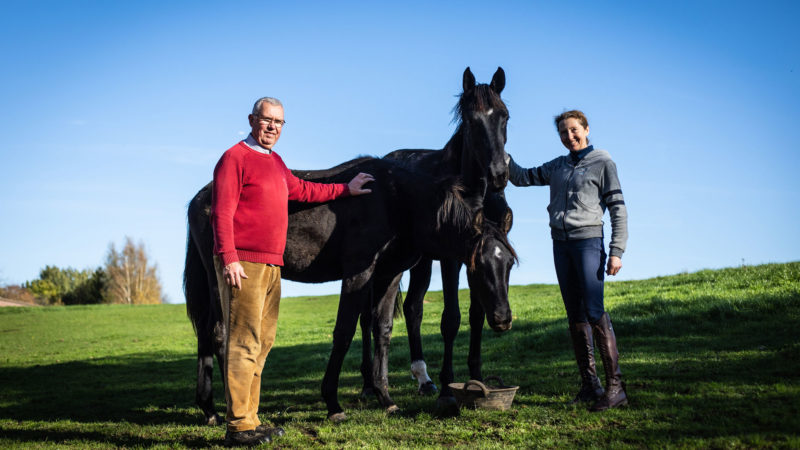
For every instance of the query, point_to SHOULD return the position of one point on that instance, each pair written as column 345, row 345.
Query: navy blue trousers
column 580, row 268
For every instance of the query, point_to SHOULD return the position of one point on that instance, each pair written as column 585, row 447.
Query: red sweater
column 249, row 204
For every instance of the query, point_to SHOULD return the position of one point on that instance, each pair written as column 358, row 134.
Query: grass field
column 711, row 359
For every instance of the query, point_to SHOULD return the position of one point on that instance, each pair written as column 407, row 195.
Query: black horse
column 495, row 253
column 486, row 287
column 365, row 241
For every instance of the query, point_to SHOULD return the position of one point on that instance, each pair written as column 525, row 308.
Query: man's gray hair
column 271, row 100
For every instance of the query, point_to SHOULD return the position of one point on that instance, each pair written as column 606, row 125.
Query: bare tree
column 131, row 279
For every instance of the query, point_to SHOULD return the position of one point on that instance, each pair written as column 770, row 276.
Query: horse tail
column 195, row 286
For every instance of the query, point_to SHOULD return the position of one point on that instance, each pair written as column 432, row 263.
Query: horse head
column 490, row 262
column 483, row 119
column 482, row 236
column 488, row 275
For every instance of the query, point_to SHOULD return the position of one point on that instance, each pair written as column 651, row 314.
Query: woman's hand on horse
column 356, row 185
column 233, row 274
column 614, row 265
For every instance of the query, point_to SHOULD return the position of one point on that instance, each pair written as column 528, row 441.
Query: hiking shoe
column 247, row 438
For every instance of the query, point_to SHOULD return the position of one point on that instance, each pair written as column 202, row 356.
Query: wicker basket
column 474, row 394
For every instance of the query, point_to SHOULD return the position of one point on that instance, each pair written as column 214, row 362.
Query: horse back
column 338, row 239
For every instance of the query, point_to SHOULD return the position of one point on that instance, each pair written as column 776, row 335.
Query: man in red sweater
column 249, row 215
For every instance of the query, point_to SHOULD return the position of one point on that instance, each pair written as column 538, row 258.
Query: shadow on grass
column 684, row 364
column 117, row 440
column 138, row 388
column 754, row 342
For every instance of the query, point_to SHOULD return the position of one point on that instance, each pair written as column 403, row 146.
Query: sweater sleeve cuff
column 229, row 257
column 614, row 251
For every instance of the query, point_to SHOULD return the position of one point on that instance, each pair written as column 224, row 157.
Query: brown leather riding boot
column 591, row 390
column 607, row 346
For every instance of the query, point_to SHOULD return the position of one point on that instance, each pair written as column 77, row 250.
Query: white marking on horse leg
column 419, row 370
column 497, row 252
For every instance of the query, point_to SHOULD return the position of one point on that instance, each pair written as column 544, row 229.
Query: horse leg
column 412, row 309
column 366, row 351
column 476, row 319
column 355, row 291
column 204, row 396
column 451, row 320
column 385, row 293
column 202, row 305
column 220, row 337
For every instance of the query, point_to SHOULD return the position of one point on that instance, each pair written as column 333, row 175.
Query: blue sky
column 114, row 114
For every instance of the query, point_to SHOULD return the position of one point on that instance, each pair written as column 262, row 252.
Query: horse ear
column 469, row 80
column 498, row 80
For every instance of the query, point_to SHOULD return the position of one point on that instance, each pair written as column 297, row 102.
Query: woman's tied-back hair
column 271, row 100
column 573, row 114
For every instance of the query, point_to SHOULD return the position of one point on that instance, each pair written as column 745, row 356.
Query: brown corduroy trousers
column 251, row 318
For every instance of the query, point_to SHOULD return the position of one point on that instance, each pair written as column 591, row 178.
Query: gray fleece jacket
column 579, row 196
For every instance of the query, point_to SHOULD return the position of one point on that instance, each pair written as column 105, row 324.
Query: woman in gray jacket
column 583, row 184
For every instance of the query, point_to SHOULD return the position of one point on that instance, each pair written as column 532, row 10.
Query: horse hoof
column 392, row 410
column 428, row 389
column 337, row 417
column 214, row 420
column 446, row 406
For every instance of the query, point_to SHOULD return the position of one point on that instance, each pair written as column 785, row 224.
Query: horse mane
column 454, row 210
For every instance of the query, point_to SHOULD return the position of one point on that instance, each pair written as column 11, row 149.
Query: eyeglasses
column 271, row 120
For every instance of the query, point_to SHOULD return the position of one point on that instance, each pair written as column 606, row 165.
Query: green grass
column 711, row 359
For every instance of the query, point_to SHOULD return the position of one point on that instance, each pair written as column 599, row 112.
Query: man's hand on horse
column 233, row 274
column 357, row 183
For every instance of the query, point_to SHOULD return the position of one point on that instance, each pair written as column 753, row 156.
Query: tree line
column 126, row 277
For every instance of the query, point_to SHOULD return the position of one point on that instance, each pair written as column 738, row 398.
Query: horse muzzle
column 500, row 326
